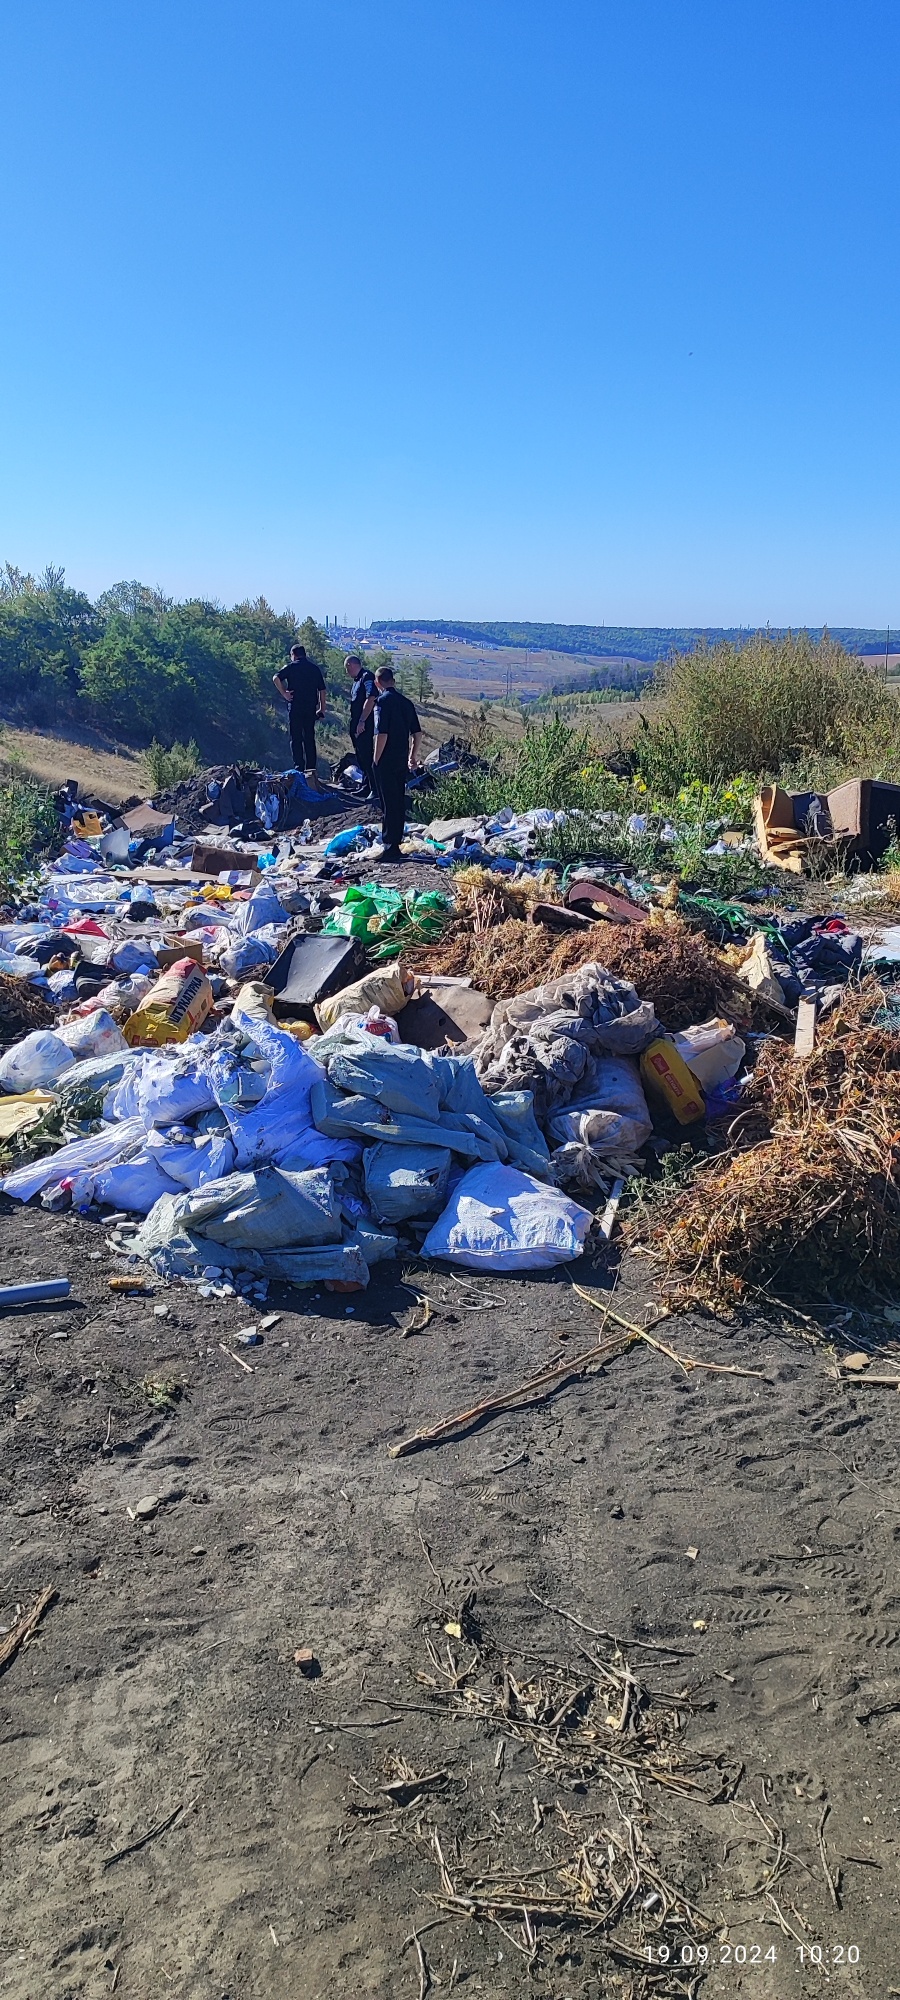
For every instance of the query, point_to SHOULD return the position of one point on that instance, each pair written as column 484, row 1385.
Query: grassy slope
column 109, row 770
column 113, row 772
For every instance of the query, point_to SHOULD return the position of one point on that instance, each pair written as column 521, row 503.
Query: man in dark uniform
column 398, row 733
column 363, row 696
column 302, row 685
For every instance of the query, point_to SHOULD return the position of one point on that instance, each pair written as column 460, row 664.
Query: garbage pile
column 806, row 1204
column 270, row 1070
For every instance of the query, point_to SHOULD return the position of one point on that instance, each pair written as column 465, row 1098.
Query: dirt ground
column 185, row 1814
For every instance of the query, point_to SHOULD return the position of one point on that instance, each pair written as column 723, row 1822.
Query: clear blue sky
column 570, row 309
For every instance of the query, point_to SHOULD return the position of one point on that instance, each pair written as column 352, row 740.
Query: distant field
column 478, row 672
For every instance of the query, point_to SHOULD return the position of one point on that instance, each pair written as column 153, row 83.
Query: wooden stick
column 536, row 1387
column 685, row 1361
column 829, row 1878
column 236, row 1357
column 805, row 1032
column 152, row 1833
column 26, row 1627
column 607, row 1221
column 601, row 1306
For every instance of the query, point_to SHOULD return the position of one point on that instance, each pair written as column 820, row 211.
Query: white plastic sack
column 121, row 1102
column 241, row 955
column 261, row 908
column 175, row 1250
column 312, row 1149
column 135, row 1184
column 102, row 1149
column 267, row 1129
column 712, row 1051
column 611, row 1116
column 35, row 1063
column 62, row 986
column 501, row 1220
column 134, row 955
column 128, row 991
column 191, row 1159
column 405, row 1181
column 92, row 1035
column 266, row 1210
column 171, row 1089
column 20, row 968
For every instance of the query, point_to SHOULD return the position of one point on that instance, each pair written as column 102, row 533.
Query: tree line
column 650, row 643
column 143, row 666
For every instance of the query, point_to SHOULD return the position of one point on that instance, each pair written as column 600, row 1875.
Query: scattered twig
column 415, row 1324
column 424, row 1972
column 829, row 1878
column 597, row 1632
column 534, row 1390
column 427, row 1554
column 26, row 1627
column 685, row 1361
column 153, row 1833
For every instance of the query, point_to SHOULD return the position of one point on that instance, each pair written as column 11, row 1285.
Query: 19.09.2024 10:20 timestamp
column 750, row 1954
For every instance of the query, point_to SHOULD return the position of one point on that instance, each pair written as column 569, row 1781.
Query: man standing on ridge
column 301, row 684
column 398, row 734
column 363, row 696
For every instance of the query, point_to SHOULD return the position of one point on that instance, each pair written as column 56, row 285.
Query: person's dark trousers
column 303, row 736
column 363, row 747
column 392, row 792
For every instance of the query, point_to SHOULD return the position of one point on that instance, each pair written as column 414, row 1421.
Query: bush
column 552, row 765
column 762, row 707
column 27, row 824
column 166, row 768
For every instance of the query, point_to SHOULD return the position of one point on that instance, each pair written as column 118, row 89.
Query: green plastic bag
column 351, row 920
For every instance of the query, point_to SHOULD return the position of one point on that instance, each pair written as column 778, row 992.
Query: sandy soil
column 160, row 1708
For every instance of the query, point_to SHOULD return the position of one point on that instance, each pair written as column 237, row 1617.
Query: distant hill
column 633, row 642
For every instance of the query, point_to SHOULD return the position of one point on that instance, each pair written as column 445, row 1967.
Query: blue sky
column 525, row 308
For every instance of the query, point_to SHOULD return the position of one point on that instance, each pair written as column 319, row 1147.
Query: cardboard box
column 207, row 859
column 169, row 954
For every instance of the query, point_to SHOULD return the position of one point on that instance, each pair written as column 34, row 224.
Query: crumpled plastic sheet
column 547, row 1040
column 407, row 1096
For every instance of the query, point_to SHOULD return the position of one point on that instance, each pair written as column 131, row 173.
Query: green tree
column 414, row 677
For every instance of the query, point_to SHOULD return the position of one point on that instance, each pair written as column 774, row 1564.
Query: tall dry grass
column 768, row 706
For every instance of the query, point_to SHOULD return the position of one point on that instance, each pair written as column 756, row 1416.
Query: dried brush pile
column 678, row 969
column 491, row 942
column 21, row 1009
column 507, row 957
column 811, row 1211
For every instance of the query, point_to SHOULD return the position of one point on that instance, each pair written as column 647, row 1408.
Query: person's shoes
column 390, row 854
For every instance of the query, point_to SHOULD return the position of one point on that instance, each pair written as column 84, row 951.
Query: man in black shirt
column 398, row 733
column 363, row 696
column 302, row 685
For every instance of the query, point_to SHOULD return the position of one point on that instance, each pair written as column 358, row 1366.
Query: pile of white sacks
column 245, row 1154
